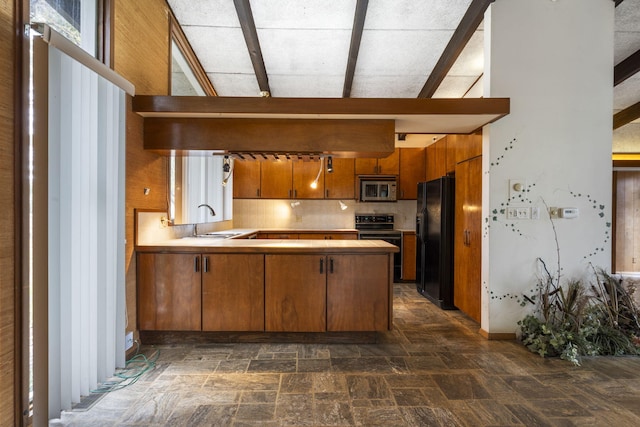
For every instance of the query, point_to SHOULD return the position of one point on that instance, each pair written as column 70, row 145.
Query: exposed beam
column 243, row 9
column 469, row 23
column 618, row 2
column 354, row 48
column 626, row 116
column 626, row 68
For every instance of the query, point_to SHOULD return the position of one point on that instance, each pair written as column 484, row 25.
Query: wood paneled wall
column 627, row 221
column 7, row 224
column 141, row 55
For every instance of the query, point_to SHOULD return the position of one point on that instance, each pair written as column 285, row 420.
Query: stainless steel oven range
column 381, row 227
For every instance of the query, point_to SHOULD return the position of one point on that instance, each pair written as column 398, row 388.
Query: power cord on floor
column 136, row 367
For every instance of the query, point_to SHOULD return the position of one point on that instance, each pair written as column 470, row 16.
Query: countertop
column 238, row 244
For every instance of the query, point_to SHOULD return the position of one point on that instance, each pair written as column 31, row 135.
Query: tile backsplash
column 315, row 214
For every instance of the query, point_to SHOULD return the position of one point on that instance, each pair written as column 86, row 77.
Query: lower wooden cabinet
column 409, row 255
column 252, row 292
column 295, row 293
column 358, row 294
column 169, row 291
column 233, row 292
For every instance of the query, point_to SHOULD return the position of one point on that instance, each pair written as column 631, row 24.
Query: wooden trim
column 106, row 13
column 498, row 336
column 180, row 39
column 243, row 9
column 626, row 116
column 354, row 47
column 147, row 105
column 626, row 68
column 468, row 25
column 21, row 301
column 201, row 337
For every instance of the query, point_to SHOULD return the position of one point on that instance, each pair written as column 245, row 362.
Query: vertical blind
column 85, row 209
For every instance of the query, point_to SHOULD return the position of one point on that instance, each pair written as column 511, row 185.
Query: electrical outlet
column 128, row 341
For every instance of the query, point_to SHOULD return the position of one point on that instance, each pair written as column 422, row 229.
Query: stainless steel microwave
column 378, row 190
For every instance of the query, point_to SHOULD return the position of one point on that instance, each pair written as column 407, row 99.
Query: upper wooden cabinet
column 467, row 146
column 341, row 183
column 412, row 171
column 304, row 173
column 385, row 166
column 436, row 159
column 246, row 179
column 276, row 179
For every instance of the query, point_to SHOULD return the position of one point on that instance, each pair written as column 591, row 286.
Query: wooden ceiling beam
column 243, row 9
column 468, row 25
column 626, row 68
column 354, row 48
column 626, row 116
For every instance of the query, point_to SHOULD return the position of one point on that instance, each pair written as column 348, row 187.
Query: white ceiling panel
column 627, row 29
column 220, row 49
column 470, row 62
column 309, row 14
column 305, row 51
column 454, row 86
column 235, row 84
column 210, row 13
column 415, row 15
column 311, row 86
column 626, row 93
column 401, row 86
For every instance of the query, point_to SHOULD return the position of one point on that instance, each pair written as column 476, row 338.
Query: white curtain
column 86, row 242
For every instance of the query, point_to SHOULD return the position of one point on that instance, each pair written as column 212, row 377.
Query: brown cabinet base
column 196, row 337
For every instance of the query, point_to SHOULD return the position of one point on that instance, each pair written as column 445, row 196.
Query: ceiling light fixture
column 314, row 184
column 329, row 164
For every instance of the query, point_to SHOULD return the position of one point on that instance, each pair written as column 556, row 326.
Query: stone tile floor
column 433, row 369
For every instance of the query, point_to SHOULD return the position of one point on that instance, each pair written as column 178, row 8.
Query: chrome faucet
column 211, row 211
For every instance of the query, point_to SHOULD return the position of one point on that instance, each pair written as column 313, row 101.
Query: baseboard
column 498, row 336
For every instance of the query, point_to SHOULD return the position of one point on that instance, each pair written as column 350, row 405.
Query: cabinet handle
column 321, row 265
column 331, row 265
column 196, row 264
column 257, row 192
column 206, row 264
column 295, row 194
column 327, row 192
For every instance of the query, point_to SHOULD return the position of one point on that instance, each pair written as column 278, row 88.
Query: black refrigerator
column 434, row 231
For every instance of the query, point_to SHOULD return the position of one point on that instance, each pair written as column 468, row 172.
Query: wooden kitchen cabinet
column 329, row 236
column 389, row 165
column 467, row 237
column 233, row 292
column 295, row 293
column 304, row 173
column 169, row 291
column 276, row 179
column 412, row 171
column 341, row 183
column 246, row 179
column 409, row 255
column 436, row 160
column 358, row 293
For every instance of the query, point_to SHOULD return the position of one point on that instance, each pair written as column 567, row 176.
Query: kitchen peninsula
column 233, row 289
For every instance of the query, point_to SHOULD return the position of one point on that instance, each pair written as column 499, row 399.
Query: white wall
column 554, row 59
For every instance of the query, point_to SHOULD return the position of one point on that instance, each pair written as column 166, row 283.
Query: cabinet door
column 412, row 171
column 233, row 292
column 295, row 293
column 408, row 256
column 467, row 244
column 304, row 173
column 365, row 166
column 390, row 165
column 246, row 179
column 358, row 292
column 437, row 160
column 341, row 183
column 169, row 292
column 276, row 179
